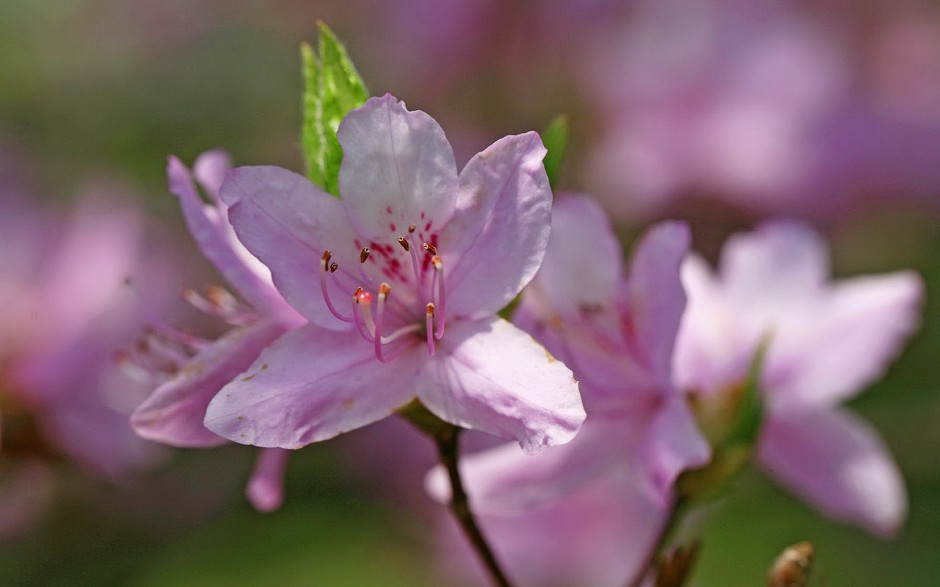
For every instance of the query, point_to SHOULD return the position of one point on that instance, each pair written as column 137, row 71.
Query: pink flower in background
column 766, row 105
column 827, row 341
column 401, row 280
column 198, row 369
column 617, row 335
column 73, row 290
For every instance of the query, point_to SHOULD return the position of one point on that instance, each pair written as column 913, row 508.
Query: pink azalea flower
column 401, row 280
column 827, row 342
column 71, row 293
column 618, row 336
column 174, row 412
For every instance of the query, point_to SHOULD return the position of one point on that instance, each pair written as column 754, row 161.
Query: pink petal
column 583, row 260
column 265, row 489
column 493, row 377
column 712, row 350
column 288, row 222
column 211, row 233
column 838, row 463
column 673, row 445
column 774, row 263
column 210, row 169
column 174, row 413
column 857, row 328
column 398, row 169
column 656, row 298
column 311, row 385
column 497, row 240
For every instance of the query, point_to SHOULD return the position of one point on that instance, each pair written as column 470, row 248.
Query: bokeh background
column 718, row 112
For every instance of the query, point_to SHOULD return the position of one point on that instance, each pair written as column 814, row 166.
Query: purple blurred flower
column 762, row 104
column 190, row 371
column 72, row 292
column 411, row 267
column 618, row 336
column 827, row 342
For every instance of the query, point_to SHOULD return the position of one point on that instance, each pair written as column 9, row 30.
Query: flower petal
column 673, row 444
column 838, row 463
column 772, row 267
column 398, row 169
column 311, row 385
column 656, row 299
column 493, row 377
column 173, row 414
column 583, row 259
column 265, row 489
column 288, row 222
column 834, row 352
column 497, row 239
column 212, row 233
column 210, row 169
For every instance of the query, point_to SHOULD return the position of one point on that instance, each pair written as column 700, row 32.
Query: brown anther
column 364, row 254
column 412, row 228
column 356, row 294
column 404, row 244
column 384, row 289
column 430, row 248
column 334, row 266
column 430, row 308
column 437, row 262
column 327, row 255
column 216, row 295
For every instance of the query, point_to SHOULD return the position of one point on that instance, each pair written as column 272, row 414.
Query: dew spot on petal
column 249, row 377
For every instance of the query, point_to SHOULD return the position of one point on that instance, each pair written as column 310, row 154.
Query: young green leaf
column 332, row 87
column 555, row 139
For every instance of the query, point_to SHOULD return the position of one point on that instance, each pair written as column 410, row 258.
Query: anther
column 364, row 254
column 411, row 228
column 430, row 248
column 325, row 260
column 404, row 243
column 334, row 266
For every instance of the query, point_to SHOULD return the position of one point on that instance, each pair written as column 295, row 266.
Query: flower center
column 381, row 318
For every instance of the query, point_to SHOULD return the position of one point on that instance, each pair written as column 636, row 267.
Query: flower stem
column 446, row 437
column 447, row 448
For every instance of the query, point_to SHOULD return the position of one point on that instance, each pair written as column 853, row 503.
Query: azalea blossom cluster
column 626, row 386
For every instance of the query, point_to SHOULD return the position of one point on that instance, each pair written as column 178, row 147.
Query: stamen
column 323, row 285
column 365, row 299
column 429, row 326
column 438, row 265
column 406, row 244
column 364, row 254
column 411, row 228
column 430, row 248
column 384, row 290
column 219, row 302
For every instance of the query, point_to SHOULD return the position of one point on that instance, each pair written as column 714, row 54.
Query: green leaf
column 332, row 87
column 555, row 139
column 750, row 407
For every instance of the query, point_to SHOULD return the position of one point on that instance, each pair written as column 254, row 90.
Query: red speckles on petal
column 422, row 216
column 391, row 227
column 427, row 227
column 388, row 209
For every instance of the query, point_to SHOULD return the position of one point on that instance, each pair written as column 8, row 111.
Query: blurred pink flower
column 827, row 342
column 765, row 105
column 190, row 371
column 73, row 290
column 410, row 247
column 618, row 336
